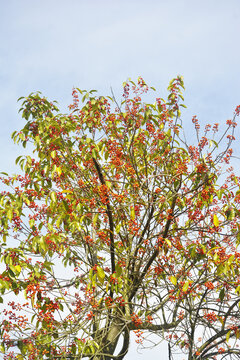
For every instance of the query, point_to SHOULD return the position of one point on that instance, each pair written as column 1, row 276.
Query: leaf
column 58, row 171
column 32, row 300
column 18, row 268
column 67, row 192
column 230, row 214
column 215, row 220
column 29, row 160
column 228, row 335
column 215, row 257
column 168, row 242
column 230, row 259
column 108, row 184
column 53, row 154
column 100, row 274
column 20, row 357
column 118, row 228
column 132, row 213
column 18, row 159
column 173, row 280
column 65, row 204
column 10, row 214
column 31, row 223
column 222, row 294
column 237, row 291
column 220, row 193
column 185, row 286
column 211, row 142
column 94, row 280
column 118, row 270
column 53, row 196
column 43, row 244
column 95, row 219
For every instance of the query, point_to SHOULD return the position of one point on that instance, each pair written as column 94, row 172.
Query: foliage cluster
column 117, row 225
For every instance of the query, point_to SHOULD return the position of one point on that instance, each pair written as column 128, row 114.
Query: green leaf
column 230, row 214
column 222, row 294
column 31, row 223
column 118, row 270
column 100, row 274
column 65, row 204
column 43, row 244
column 220, row 193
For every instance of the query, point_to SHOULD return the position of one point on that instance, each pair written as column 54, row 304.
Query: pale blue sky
column 53, row 45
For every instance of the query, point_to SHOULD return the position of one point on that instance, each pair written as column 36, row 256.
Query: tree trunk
column 110, row 342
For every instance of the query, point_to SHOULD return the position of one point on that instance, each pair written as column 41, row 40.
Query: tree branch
column 155, row 253
column 109, row 214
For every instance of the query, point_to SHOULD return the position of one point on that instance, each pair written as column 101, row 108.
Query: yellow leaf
column 53, row 154
column 173, row 280
column 31, row 222
column 32, row 300
column 215, row 220
column 53, row 196
column 18, row 268
column 237, row 291
column 10, row 214
column 108, row 184
column 58, row 171
column 185, row 286
column 132, row 213
column 228, row 335
column 118, row 228
column 20, row 357
column 95, row 218
column 168, row 242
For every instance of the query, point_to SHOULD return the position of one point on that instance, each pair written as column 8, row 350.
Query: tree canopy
column 117, row 224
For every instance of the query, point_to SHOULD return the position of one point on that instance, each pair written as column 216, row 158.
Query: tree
column 117, row 225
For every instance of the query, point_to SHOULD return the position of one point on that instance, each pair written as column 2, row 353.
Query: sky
column 53, row 45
